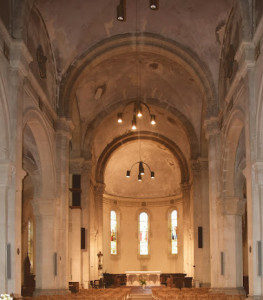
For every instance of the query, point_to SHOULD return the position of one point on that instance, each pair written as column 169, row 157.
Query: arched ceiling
column 160, row 160
column 76, row 25
column 168, row 58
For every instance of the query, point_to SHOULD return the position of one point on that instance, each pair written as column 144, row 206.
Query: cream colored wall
column 127, row 258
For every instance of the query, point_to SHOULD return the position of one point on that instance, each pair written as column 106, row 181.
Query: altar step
column 141, row 297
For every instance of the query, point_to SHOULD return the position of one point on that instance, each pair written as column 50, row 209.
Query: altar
column 152, row 278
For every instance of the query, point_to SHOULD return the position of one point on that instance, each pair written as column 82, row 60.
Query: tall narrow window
column 174, row 243
column 113, row 229
column 30, row 243
column 143, row 233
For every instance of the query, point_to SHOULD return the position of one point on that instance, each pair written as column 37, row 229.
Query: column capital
column 99, row 188
column 212, row 126
column 64, row 127
column 44, row 207
column 185, row 187
column 232, row 206
column 86, row 166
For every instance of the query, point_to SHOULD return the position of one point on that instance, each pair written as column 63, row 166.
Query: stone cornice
column 139, row 200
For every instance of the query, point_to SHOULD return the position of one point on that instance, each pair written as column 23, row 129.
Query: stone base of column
column 40, row 292
column 251, row 297
column 228, row 291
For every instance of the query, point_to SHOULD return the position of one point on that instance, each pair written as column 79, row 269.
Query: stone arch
column 233, row 131
column 4, row 123
column 144, row 135
column 188, row 127
column 38, row 127
column 148, row 42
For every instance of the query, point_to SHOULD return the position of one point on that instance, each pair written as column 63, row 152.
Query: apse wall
column 127, row 257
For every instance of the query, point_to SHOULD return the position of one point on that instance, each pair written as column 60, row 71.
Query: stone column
column 45, row 213
column 213, row 136
column 233, row 208
column 99, row 191
column 188, row 230
column 86, row 174
column 64, row 129
column 19, row 66
column 255, row 229
column 6, row 170
column 201, row 219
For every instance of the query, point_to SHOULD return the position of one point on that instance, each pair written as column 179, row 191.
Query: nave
column 140, row 293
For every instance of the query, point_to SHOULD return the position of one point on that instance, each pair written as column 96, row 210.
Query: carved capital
column 212, row 127
column 185, row 188
column 99, row 189
column 64, row 127
column 195, row 166
column 75, row 165
column 233, row 206
column 86, row 166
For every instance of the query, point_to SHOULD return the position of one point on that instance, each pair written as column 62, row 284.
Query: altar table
column 151, row 277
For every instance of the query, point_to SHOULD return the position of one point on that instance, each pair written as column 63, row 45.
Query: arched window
column 174, row 238
column 30, row 242
column 143, row 233
column 113, row 229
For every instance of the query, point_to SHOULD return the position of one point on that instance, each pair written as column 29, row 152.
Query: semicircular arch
column 148, row 42
column 233, row 132
column 34, row 120
column 143, row 135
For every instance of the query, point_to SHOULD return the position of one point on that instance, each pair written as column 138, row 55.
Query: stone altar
column 152, row 277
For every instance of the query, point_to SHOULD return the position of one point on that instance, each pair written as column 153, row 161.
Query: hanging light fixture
column 154, row 4
column 121, row 11
column 138, row 113
column 140, row 170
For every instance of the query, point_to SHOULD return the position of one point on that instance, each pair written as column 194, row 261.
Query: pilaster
column 199, row 171
column 64, row 129
column 213, row 135
column 6, row 172
column 45, row 212
column 99, row 191
column 188, row 230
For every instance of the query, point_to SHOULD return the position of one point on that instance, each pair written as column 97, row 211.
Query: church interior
column 131, row 147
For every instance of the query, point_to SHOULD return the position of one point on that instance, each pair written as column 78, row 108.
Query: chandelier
column 121, row 9
column 140, row 170
column 137, row 112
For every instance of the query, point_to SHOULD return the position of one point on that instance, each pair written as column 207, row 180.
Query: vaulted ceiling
column 163, row 57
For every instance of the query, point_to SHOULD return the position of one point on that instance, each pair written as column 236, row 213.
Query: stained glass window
column 143, row 233
column 113, row 229
column 174, row 237
column 30, row 243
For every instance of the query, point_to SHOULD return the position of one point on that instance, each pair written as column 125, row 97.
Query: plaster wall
column 127, row 258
